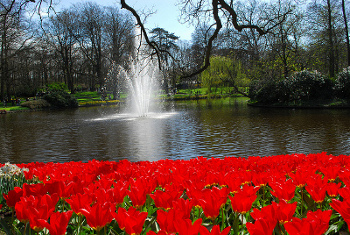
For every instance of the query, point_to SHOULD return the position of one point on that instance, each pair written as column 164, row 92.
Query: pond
column 183, row 130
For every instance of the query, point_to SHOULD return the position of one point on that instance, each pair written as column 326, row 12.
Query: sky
column 166, row 16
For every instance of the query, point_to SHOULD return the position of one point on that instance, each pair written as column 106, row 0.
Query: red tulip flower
column 331, row 172
column 317, row 187
column 161, row 232
column 138, row 193
column 113, row 195
column 120, row 217
column 166, row 220
column 13, row 197
column 131, row 221
column 118, row 194
column 316, row 223
column 322, row 219
column 333, row 189
column 233, row 183
column 80, row 201
column 164, row 199
column 63, row 189
column 261, row 178
column 284, row 211
column 266, row 213
column 33, row 189
column 41, row 209
column 23, row 208
column 183, row 207
column 284, row 190
column 214, row 231
column 33, row 208
column 58, row 222
column 243, row 200
column 301, row 227
column 344, row 192
column 299, row 178
column 261, row 227
column 99, row 215
column 186, row 227
column 50, row 200
column 343, row 208
column 37, row 215
column 212, row 200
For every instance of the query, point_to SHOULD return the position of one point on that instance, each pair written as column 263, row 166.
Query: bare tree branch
column 216, row 6
column 210, row 41
column 152, row 44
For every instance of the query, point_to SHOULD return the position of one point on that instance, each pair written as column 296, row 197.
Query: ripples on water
column 183, row 130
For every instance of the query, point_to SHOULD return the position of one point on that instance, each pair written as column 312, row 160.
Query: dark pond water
column 183, row 130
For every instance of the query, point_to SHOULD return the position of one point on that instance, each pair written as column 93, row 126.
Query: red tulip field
column 285, row 194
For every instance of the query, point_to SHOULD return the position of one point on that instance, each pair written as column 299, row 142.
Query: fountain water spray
column 142, row 78
column 142, row 81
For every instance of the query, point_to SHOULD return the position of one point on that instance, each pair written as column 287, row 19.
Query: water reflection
column 184, row 130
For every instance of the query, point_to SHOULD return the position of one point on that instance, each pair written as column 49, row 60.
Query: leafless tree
column 325, row 31
column 14, row 38
column 60, row 33
column 218, row 10
column 119, row 39
column 285, row 37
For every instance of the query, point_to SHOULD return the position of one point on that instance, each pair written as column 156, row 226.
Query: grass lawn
column 12, row 108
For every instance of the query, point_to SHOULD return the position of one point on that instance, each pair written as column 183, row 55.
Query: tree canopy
column 82, row 44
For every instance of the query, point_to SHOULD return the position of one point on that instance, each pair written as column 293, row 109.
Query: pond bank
column 35, row 105
column 300, row 107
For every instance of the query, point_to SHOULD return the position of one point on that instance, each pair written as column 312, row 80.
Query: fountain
column 141, row 82
column 142, row 79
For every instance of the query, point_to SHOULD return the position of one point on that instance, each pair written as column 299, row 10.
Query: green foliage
column 36, row 104
column 306, row 85
column 342, row 84
column 26, row 91
column 239, row 77
column 302, row 86
column 212, row 77
column 11, row 176
column 265, row 91
column 224, row 71
column 53, row 87
column 61, row 99
column 87, row 94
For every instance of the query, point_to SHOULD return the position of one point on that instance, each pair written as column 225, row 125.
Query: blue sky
column 166, row 16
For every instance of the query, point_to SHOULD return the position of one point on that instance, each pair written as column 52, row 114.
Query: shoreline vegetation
column 41, row 104
column 312, row 104
column 89, row 99
column 304, row 90
column 95, row 100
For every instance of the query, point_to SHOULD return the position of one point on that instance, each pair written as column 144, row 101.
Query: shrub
column 36, row 104
column 265, row 92
column 302, row 86
column 57, row 87
column 61, row 99
column 306, row 85
column 342, row 84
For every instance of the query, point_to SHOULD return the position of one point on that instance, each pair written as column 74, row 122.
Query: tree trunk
column 331, row 43
column 4, row 62
column 346, row 32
